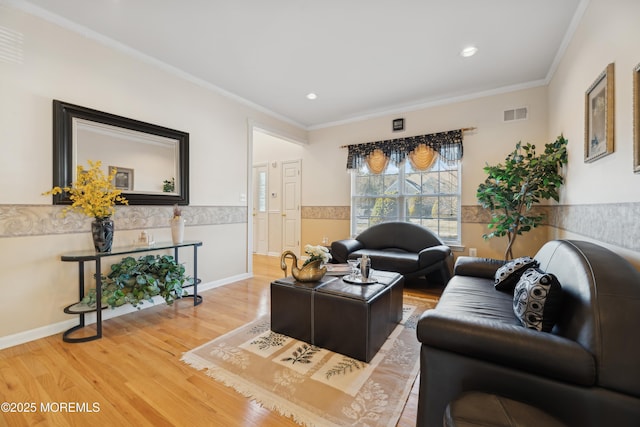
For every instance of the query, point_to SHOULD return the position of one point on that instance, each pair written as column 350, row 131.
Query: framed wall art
column 123, row 179
column 397, row 125
column 636, row 119
column 599, row 116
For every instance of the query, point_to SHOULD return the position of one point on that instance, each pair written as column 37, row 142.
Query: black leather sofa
column 585, row 372
column 402, row 247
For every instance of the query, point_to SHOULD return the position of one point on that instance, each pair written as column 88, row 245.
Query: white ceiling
column 362, row 57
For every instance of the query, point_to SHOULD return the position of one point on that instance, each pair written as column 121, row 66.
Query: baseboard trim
column 90, row 318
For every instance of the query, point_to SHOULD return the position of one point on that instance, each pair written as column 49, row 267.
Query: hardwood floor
column 134, row 376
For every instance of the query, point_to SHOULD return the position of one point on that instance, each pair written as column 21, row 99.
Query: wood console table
column 81, row 257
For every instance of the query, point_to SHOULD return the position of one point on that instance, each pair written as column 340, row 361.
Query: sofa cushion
column 395, row 260
column 536, row 300
column 508, row 275
column 476, row 298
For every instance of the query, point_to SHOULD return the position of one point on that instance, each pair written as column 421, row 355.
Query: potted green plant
column 513, row 188
column 134, row 281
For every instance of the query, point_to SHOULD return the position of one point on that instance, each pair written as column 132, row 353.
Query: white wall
column 60, row 64
column 609, row 32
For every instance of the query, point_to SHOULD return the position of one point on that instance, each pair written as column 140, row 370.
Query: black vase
column 102, row 232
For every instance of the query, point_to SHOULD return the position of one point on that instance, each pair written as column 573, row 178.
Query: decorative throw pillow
column 508, row 275
column 536, row 300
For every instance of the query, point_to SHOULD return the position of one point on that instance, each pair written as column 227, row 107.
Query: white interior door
column 260, row 208
column 291, row 206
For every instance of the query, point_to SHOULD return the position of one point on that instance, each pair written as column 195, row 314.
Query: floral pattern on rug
column 286, row 381
column 368, row 406
column 314, row 386
column 301, row 357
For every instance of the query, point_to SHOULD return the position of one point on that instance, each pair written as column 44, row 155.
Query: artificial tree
column 513, row 188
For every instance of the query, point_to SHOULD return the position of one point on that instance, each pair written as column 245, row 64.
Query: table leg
column 197, row 299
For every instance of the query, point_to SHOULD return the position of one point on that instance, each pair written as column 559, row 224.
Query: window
column 262, row 191
column 430, row 198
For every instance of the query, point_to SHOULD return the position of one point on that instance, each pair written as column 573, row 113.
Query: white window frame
column 401, row 202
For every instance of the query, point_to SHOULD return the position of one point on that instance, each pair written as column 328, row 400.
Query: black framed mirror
column 152, row 161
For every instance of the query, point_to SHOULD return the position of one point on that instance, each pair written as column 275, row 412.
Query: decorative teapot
column 311, row 272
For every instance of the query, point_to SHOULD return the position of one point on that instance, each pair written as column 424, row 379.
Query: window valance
column 447, row 144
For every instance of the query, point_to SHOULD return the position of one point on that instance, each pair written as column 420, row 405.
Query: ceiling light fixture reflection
column 469, row 51
column 311, row 96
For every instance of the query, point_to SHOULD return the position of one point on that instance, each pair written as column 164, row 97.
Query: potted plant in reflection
column 169, row 185
column 177, row 225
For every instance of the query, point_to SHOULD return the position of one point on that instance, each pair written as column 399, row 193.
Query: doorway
column 275, row 193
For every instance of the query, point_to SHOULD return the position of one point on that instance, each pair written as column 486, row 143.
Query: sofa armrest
column 433, row 254
column 340, row 249
column 477, row 267
column 511, row 345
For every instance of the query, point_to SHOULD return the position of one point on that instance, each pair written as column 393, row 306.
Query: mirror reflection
column 146, row 163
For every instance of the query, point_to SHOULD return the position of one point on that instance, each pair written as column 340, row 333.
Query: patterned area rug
column 314, row 386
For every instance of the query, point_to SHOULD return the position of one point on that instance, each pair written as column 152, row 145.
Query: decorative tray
column 358, row 280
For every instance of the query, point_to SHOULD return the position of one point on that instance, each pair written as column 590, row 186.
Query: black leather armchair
column 585, row 372
column 402, row 247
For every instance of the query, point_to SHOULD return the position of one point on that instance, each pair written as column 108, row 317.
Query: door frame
column 253, row 126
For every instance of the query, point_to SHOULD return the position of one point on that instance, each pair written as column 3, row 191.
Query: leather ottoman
column 355, row 320
column 292, row 307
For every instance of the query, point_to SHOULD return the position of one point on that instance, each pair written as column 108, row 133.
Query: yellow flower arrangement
column 93, row 194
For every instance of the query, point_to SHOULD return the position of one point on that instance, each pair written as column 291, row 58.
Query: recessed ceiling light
column 469, row 51
column 311, row 96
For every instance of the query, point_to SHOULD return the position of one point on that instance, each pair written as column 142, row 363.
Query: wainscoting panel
column 38, row 220
column 326, row 212
column 613, row 223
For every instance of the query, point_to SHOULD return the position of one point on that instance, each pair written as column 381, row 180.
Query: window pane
column 362, row 206
column 421, row 207
column 448, row 230
column 446, row 207
column 413, row 183
column 430, row 182
column 262, row 191
column 449, row 182
column 384, row 209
